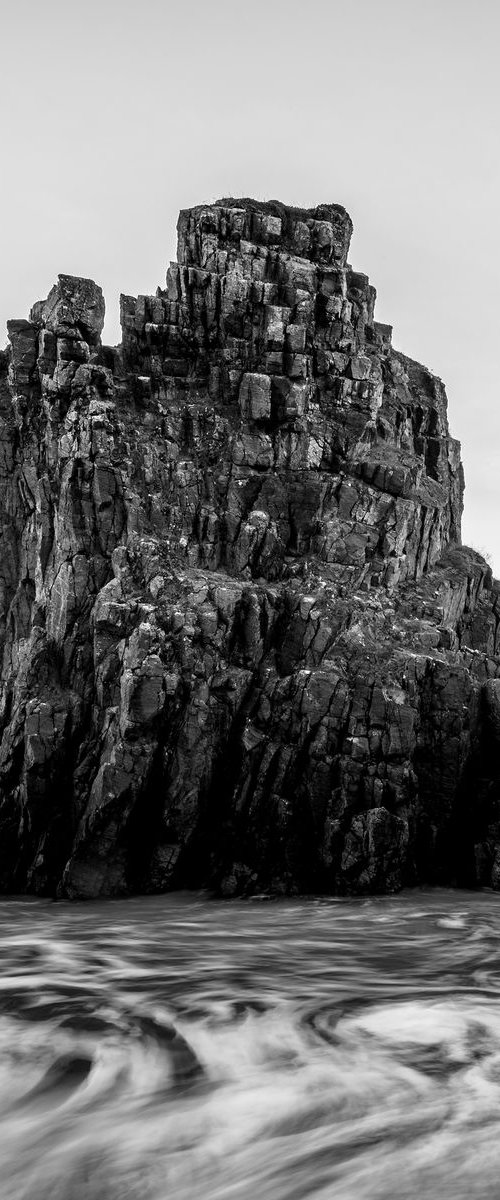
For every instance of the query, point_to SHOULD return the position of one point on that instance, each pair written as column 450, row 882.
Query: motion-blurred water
column 178, row 1047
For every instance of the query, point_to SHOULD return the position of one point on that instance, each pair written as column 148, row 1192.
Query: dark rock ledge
column 241, row 644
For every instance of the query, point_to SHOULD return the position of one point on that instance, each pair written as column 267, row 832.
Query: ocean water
column 181, row 1048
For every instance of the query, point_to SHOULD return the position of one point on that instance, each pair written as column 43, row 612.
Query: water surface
column 183, row 1048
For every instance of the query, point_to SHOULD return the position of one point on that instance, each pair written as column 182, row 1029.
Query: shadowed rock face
column 242, row 646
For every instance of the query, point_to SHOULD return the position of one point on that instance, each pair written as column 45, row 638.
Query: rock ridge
column 242, row 646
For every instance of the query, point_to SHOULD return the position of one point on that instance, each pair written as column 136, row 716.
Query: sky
column 115, row 114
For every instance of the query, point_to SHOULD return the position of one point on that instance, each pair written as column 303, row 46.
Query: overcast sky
column 114, row 115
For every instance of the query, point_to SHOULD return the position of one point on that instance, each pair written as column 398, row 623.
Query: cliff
column 241, row 644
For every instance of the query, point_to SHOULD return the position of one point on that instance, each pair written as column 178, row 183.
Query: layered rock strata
column 241, row 644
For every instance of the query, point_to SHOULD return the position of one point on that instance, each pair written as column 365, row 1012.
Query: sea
column 180, row 1047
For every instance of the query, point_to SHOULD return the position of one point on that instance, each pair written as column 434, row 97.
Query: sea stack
column 242, row 646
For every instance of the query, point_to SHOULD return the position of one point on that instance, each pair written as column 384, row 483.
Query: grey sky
column 115, row 114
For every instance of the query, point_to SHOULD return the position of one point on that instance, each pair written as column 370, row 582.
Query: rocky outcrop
column 241, row 644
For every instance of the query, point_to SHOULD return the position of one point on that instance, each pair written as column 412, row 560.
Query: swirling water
column 183, row 1048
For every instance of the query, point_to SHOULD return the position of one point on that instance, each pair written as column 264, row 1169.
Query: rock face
column 241, row 644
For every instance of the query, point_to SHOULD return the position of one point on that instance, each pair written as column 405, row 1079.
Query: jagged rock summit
column 241, row 644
